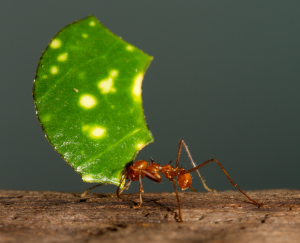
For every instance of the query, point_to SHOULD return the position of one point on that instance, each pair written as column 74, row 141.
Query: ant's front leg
column 140, row 191
column 126, row 186
column 150, row 176
column 101, row 184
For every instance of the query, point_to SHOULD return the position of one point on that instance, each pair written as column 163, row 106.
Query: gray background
column 225, row 78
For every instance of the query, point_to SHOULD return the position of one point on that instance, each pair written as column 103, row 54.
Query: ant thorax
column 171, row 172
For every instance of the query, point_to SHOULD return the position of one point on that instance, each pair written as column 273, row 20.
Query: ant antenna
column 170, row 162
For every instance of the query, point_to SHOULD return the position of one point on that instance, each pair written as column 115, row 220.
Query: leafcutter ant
column 141, row 168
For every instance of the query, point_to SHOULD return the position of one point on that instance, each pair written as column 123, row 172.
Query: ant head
column 184, row 180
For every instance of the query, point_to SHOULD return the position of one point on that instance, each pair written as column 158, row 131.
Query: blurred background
column 225, row 78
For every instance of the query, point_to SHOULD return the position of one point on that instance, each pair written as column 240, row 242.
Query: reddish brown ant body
column 141, row 168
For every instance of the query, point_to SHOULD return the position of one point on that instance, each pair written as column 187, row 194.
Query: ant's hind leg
column 193, row 164
column 179, row 211
column 229, row 178
column 193, row 189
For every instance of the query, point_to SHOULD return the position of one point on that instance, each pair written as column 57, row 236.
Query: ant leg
column 141, row 190
column 101, row 184
column 179, row 212
column 225, row 172
column 193, row 189
column 193, row 164
column 126, row 186
column 150, row 176
column 179, row 152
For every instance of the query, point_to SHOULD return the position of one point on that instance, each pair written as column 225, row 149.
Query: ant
column 141, row 168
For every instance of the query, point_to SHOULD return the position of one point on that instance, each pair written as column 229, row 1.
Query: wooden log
column 36, row 216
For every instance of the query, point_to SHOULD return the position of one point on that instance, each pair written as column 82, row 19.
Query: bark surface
column 36, row 216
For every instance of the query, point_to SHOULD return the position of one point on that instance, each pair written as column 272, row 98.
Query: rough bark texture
column 30, row 216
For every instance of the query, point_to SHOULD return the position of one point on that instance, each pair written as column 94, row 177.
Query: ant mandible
column 141, row 168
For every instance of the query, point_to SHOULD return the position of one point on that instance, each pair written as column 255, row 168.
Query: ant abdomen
column 184, row 181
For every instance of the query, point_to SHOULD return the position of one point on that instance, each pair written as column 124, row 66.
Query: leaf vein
column 90, row 161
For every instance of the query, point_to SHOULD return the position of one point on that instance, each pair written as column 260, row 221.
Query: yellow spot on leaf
column 56, row 43
column 114, row 73
column 140, row 146
column 62, row 57
column 92, row 23
column 44, row 76
column 85, row 36
column 54, row 70
column 88, row 178
column 129, row 48
column 87, row 101
column 97, row 132
column 106, row 86
column 137, row 88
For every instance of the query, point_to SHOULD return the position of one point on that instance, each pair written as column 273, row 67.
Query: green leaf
column 87, row 94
